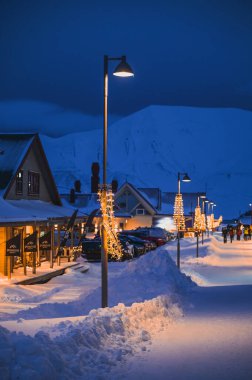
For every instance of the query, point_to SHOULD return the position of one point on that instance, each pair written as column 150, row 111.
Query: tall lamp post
column 250, row 213
column 204, row 217
column 198, row 221
column 122, row 70
column 179, row 212
column 210, row 207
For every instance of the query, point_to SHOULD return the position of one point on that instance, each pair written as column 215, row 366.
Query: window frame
column 33, row 183
column 20, row 183
column 140, row 213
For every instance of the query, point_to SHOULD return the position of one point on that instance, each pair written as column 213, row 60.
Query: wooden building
column 29, row 202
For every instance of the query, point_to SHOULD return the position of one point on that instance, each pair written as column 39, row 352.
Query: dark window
column 19, row 182
column 140, row 211
column 122, row 204
column 33, row 183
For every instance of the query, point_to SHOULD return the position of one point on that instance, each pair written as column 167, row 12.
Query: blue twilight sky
column 195, row 53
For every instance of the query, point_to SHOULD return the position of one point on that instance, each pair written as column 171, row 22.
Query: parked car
column 155, row 235
column 91, row 250
column 140, row 246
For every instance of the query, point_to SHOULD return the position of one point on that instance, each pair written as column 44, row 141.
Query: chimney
column 72, row 196
column 95, row 179
column 77, row 186
column 114, row 185
column 159, row 199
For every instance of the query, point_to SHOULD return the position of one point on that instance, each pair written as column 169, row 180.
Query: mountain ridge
column 149, row 148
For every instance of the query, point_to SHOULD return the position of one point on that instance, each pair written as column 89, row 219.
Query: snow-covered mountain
column 149, row 148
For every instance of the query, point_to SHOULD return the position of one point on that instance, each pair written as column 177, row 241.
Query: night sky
column 195, row 53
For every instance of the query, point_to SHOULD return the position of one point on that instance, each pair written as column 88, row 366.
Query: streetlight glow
column 123, row 69
column 186, row 178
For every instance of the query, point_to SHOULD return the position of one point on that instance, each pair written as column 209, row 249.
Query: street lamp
column 122, row 70
column 204, row 217
column 198, row 221
column 179, row 212
column 251, row 213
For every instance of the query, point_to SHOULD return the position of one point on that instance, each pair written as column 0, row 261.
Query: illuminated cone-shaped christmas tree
column 218, row 221
column 197, row 219
column 203, row 222
column 107, row 208
column 178, row 216
column 209, row 222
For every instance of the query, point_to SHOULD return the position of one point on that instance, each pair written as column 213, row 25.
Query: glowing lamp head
column 186, row 178
column 123, row 69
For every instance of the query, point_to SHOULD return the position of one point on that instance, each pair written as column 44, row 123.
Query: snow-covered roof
column 163, row 202
column 24, row 211
column 85, row 202
column 151, row 194
column 13, row 148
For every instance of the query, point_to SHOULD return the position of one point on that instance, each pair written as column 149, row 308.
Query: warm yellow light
column 203, row 222
column 113, row 245
column 178, row 215
column 197, row 219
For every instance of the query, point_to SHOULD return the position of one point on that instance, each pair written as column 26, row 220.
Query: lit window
column 19, row 183
column 33, row 183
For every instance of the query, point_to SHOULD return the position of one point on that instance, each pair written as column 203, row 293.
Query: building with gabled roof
column 151, row 206
column 21, row 157
column 29, row 199
column 138, row 207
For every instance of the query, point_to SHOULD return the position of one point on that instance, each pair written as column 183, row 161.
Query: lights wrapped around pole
column 178, row 215
column 210, row 221
column 197, row 219
column 114, row 247
column 203, row 222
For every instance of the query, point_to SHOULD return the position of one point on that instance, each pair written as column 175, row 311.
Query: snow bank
column 147, row 277
column 89, row 348
column 219, row 254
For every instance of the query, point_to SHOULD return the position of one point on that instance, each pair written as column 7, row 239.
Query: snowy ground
column 159, row 324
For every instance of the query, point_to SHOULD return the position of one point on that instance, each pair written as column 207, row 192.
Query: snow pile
column 151, row 275
column 90, row 347
column 147, row 277
column 225, row 255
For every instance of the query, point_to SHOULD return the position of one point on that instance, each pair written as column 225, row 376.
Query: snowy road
column 145, row 335
column 214, row 339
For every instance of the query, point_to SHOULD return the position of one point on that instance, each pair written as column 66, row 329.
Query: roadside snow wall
column 87, row 349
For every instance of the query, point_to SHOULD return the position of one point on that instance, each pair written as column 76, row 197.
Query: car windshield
column 136, row 239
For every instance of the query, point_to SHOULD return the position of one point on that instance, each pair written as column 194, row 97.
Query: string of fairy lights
column 106, row 199
column 197, row 219
column 178, row 216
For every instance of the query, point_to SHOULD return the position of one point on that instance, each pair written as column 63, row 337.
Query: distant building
column 138, row 207
column 153, row 207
